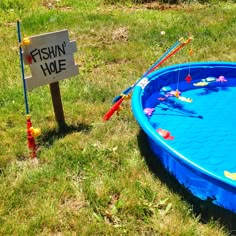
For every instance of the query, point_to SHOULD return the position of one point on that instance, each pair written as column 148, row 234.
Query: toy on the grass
column 148, row 111
column 165, row 134
column 31, row 141
column 35, row 132
column 113, row 109
column 31, row 132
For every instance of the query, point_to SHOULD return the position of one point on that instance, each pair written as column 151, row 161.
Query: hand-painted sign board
column 50, row 58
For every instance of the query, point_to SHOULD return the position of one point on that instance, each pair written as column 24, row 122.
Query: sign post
column 57, row 104
column 51, row 59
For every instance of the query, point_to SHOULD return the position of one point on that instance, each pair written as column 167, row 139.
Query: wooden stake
column 57, row 104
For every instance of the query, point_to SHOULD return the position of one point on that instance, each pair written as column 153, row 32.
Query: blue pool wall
column 201, row 183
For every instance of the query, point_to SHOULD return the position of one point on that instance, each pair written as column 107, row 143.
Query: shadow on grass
column 49, row 137
column 207, row 210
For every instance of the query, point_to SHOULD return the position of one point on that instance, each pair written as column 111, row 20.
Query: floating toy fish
column 209, row 79
column 148, row 111
column 173, row 93
column 188, row 78
column 202, row 83
column 165, row 134
column 221, row 79
column 166, row 89
column 205, row 82
column 184, row 99
column 177, row 93
column 230, row 175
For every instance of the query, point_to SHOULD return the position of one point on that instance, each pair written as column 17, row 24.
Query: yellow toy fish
column 230, row 175
column 184, row 99
column 201, row 84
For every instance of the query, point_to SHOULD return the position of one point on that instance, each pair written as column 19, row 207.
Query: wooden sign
column 50, row 58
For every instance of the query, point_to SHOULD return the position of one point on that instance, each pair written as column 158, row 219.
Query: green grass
column 98, row 178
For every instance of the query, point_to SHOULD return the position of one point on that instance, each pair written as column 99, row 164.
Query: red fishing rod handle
column 113, row 109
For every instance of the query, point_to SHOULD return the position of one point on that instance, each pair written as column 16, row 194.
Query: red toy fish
column 188, row 78
column 165, row 134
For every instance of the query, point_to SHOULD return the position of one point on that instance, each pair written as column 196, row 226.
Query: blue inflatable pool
column 189, row 115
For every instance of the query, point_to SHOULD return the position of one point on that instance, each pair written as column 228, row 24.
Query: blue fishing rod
column 31, row 132
column 128, row 90
column 22, row 68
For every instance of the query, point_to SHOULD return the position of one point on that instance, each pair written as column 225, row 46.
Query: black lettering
column 45, row 69
column 62, row 65
column 45, row 54
column 34, row 53
column 53, row 66
column 61, row 50
column 52, row 52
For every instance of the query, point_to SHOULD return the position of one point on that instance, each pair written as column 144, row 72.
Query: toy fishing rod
column 113, row 109
column 172, row 53
column 163, row 56
column 127, row 91
column 22, row 68
column 31, row 132
column 175, row 48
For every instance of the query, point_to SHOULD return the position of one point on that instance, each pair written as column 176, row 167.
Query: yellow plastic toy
column 201, row 84
column 35, row 132
column 26, row 41
column 230, row 175
column 184, row 99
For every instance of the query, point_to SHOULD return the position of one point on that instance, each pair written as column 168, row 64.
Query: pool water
column 204, row 129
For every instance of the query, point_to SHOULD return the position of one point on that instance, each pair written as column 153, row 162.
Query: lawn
column 95, row 177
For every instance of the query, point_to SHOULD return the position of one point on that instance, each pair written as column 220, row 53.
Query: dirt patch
column 163, row 6
column 120, row 34
column 173, row 6
column 155, row 6
column 50, row 4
